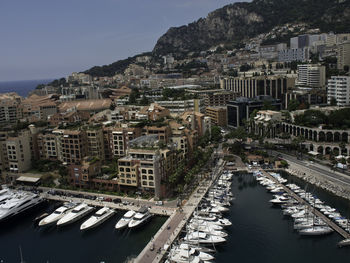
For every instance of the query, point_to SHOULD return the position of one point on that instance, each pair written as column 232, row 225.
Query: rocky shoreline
column 331, row 186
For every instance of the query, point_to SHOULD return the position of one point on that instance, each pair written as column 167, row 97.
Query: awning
column 313, row 153
column 28, row 179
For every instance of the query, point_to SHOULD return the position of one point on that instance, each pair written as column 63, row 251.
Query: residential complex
column 339, row 90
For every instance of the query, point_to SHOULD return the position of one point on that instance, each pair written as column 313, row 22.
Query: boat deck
column 330, row 223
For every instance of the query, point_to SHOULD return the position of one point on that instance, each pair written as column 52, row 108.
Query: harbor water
column 68, row 244
column 260, row 233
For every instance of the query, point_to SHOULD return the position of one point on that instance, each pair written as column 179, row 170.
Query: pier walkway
column 155, row 250
column 333, row 225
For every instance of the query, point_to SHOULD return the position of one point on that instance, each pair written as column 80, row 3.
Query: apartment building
column 48, row 146
column 310, row 75
column 74, row 146
column 177, row 107
column 217, row 115
column 339, row 89
column 343, row 55
column 163, row 132
column 9, row 108
column 82, row 174
column 35, row 108
column 95, row 143
column 18, row 154
column 120, row 138
column 294, row 54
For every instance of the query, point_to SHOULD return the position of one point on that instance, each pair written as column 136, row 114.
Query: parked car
column 117, row 200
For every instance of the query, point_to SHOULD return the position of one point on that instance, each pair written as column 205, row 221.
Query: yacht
column 57, row 214
column 204, row 225
column 203, row 238
column 14, row 202
column 77, row 213
column 184, row 254
column 316, row 231
column 98, row 218
column 218, row 233
column 344, row 242
column 141, row 217
column 124, row 221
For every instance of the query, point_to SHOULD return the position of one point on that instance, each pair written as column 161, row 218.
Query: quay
column 330, row 223
column 154, row 209
column 156, row 249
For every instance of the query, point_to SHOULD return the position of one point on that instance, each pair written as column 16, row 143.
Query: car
column 108, row 199
column 159, row 202
column 117, row 200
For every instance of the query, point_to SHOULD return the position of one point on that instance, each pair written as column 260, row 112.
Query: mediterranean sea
column 22, row 87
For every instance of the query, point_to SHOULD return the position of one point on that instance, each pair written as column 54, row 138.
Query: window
column 144, row 171
column 150, row 171
column 150, row 177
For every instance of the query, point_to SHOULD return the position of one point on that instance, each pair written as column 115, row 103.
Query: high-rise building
column 310, row 75
column 339, row 89
column 343, row 55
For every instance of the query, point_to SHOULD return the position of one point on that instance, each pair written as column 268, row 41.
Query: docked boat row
column 14, row 202
column 305, row 220
column 71, row 212
column 206, row 229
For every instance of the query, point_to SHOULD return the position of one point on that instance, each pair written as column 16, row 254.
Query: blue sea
column 22, row 87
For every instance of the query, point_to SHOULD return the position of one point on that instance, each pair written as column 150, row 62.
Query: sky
column 42, row 39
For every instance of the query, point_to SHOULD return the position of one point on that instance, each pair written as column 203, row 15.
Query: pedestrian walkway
column 157, row 247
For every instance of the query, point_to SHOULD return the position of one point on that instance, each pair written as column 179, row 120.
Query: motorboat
column 57, row 214
column 216, row 221
column 344, row 243
column 205, row 227
column 15, row 202
column 124, row 221
column 203, row 238
column 74, row 215
column 98, row 218
column 195, row 223
column 141, row 217
column 218, row 233
column 316, row 231
column 184, row 253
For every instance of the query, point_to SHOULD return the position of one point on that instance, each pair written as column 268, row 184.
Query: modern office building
column 250, row 87
column 241, row 109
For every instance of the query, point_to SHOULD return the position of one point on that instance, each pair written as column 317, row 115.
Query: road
column 317, row 168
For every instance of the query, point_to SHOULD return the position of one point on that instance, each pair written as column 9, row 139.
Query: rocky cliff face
column 239, row 21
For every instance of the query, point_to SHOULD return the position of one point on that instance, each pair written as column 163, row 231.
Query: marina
column 309, row 206
column 161, row 238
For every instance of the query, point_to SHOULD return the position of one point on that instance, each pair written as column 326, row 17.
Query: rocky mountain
column 236, row 22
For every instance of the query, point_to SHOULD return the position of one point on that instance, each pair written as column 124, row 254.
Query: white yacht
column 57, row 214
column 203, row 238
column 141, row 217
column 76, row 214
column 98, row 218
column 218, row 233
column 14, row 202
column 184, row 254
column 124, row 221
column 204, row 225
column 316, row 231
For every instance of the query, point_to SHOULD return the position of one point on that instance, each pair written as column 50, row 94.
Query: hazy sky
column 48, row 38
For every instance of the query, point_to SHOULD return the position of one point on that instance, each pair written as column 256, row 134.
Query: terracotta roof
column 86, row 105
